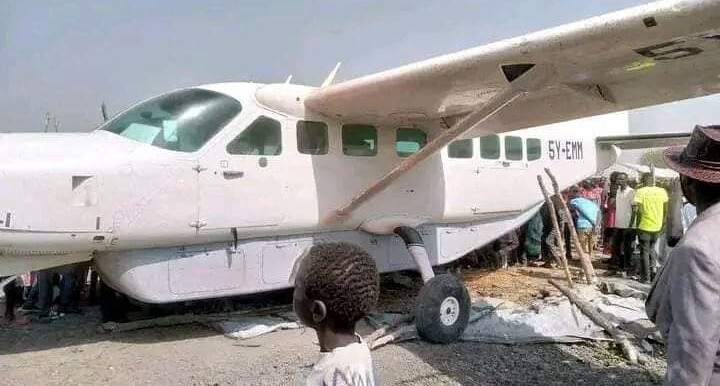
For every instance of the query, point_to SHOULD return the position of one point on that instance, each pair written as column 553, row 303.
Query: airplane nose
column 46, row 211
column 38, row 229
column 49, row 198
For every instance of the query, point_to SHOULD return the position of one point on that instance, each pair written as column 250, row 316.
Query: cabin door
column 242, row 186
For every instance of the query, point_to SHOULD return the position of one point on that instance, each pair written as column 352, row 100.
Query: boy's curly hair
column 345, row 278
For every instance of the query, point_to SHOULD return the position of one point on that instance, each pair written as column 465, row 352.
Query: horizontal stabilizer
column 645, row 141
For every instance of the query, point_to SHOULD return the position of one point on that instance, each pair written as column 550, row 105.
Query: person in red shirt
column 608, row 209
column 591, row 190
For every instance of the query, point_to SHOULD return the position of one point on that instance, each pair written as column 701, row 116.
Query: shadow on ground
column 73, row 330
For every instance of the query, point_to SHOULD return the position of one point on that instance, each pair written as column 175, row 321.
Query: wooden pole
column 556, row 229
column 584, row 260
column 403, row 333
column 620, row 337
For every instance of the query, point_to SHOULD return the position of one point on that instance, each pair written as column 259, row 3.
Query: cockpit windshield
column 182, row 120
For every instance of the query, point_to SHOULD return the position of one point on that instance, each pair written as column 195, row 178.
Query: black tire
column 438, row 325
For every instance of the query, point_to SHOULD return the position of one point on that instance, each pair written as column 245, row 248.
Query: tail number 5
column 665, row 51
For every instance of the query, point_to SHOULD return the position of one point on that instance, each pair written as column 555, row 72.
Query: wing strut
column 532, row 79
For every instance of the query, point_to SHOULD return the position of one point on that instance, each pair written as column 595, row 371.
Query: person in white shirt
column 624, row 232
column 336, row 285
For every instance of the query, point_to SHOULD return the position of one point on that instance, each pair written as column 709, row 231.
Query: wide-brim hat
column 700, row 159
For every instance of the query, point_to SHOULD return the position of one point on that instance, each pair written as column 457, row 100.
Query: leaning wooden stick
column 620, row 337
column 403, row 333
column 382, row 331
column 556, row 229
column 584, row 259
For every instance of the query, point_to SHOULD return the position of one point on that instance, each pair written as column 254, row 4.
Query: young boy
column 336, row 285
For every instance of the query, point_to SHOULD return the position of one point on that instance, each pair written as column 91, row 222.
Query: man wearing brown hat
column 684, row 301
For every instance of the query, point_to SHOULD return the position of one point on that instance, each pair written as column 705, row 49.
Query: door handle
column 231, row 174
column 506, row 164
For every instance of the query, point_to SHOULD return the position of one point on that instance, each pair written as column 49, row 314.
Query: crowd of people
column 619, row 217
column 684, row 299
column 616, row 216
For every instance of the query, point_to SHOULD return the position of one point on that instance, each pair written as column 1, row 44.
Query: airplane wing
column 651, row 54
column 655, row 53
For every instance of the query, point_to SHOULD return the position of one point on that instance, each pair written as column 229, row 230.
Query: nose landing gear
column 443, row 304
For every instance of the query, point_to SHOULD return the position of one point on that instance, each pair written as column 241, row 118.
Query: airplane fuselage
column 166, row 221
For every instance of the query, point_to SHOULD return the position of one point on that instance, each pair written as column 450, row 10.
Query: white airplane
column 217, row 190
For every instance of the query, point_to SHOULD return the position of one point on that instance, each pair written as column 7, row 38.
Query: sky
column 66, row 57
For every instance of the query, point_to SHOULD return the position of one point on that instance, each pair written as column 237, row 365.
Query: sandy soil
column 521, row 285
column 70, row 351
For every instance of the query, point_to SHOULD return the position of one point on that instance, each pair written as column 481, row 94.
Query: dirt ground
column 72, row 351
column 520, row 285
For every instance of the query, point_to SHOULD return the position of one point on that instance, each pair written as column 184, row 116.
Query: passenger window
column 534, row 149
column 409, row 141
column 490, row 147
column 359, row 140
column 312, row 137
column 262, row 137
column 462, row 148
column 513, row 148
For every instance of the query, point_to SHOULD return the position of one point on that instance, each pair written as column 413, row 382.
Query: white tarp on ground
column 250, row 327
column 548, row 320
column 493, row 320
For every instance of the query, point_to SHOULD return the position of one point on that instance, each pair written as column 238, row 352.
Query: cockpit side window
column 262, row 137
column 183, row 120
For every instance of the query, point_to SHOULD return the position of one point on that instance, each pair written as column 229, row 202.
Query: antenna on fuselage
column 103, row 111
column 289, row 78
column 328, row 81
column 47, row 121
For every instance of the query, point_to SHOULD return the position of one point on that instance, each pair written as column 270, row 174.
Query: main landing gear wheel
column 442, row 310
